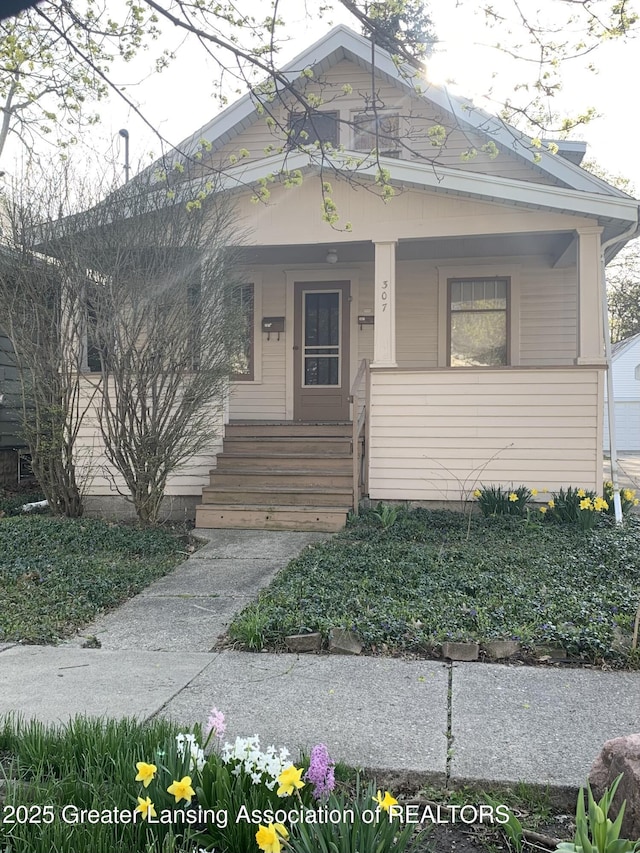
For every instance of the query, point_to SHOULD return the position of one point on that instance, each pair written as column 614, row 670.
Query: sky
column 181, row 99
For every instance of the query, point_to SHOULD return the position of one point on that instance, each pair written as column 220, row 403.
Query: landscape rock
column 500, row 649
column 343, row 642
column 544, row 653
column 461, row 651
column 620, row 755
column 304, row 642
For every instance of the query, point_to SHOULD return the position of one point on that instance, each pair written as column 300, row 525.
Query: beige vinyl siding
column 548, row 311
column 364, row 335
column 416, row 314
column 437, row 434
column 548, row 314
column 99, row 478
column 416, row 117
column 265, row 398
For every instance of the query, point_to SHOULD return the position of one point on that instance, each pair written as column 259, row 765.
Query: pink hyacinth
column 215, row 724
column 321, row 772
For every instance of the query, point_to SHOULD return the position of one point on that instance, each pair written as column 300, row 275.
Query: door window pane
column 321, row 371
column 321, row 338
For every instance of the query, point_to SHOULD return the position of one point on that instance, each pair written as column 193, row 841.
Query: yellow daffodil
column 267, row 837
column 146, row 772
column 534, row 493
column 145, row 807
column 385, row 802
column 551, row 503
column 182, row 790
column 543, row 509
column 477, row 493
column 628, row 494
column 288, row 780
column 599, row 504
column 513, row 497
column 586, row 503
column 581, row 493
column 608, row 484
column 636, row 501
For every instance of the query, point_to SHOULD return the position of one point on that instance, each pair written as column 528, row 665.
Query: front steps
column 280, row 476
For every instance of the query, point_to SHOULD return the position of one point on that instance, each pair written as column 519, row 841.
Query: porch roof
column 551, row 245
column 614, row 213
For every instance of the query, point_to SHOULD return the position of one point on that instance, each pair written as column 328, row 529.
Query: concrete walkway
column 459, row 723
column 628, row 470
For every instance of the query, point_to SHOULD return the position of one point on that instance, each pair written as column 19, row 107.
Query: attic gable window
column 311, row 128
column 380, row 131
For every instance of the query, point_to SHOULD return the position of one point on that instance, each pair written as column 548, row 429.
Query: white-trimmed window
column 377, row 131
column 243, row 361
column 478, row 321
column 309, row 128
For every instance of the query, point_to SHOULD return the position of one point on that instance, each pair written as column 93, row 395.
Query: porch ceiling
column 552, row 245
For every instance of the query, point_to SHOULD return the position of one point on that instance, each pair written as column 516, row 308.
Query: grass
column 433, row 576
column 53, row 772
column 57, row 574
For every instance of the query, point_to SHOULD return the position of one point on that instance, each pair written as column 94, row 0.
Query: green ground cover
column 57, row 574
column 407, row 582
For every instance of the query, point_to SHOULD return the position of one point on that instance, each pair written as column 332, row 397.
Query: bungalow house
column 424, row 299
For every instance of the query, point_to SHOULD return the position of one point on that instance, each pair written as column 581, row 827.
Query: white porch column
column 590, row 328
column 384, row 329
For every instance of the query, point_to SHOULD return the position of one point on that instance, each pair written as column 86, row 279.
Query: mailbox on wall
column 365, row 320
column 272, row 324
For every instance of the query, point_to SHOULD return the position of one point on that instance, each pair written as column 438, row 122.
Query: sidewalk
column 458, row 722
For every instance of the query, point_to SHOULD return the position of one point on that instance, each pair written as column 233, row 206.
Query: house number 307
column 385, row 295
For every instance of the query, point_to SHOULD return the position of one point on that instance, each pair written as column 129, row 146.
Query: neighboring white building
column 625, row 366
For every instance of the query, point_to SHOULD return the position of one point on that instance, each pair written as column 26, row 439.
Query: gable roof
column 343, row 43
column 621, row 347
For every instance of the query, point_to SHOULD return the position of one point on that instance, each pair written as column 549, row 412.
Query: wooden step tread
column 279, row 472
column 281, row 439
column 231, row 454
column 322, row 519
column 302, row 490
column 266, row 422
column 275, row 507
column 260, row 429
column 239, row 494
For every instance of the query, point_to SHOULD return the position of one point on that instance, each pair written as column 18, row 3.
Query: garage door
column 627, row 425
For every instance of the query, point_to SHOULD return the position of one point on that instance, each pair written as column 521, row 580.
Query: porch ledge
column 504, row 369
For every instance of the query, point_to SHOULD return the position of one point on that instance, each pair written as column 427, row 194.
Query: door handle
column 296, row 347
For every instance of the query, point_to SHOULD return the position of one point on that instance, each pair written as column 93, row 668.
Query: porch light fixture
column 332, row 256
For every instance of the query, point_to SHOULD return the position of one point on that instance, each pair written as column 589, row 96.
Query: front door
column 321, row 351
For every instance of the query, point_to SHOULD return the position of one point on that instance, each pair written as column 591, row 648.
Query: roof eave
column 609, row 209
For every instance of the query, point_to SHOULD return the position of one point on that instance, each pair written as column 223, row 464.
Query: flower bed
column 408, row 582
column 95, row 786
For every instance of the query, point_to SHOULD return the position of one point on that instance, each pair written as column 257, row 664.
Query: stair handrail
column 359, row 443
